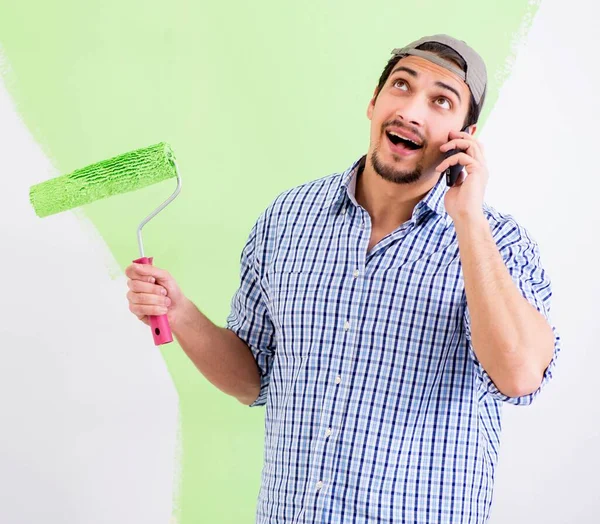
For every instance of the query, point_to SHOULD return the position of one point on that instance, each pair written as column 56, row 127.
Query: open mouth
column 404, row 142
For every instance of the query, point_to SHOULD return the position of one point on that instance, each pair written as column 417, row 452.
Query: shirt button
column 328, row 432
column 347, row 325
column 343, row 211
column 319, row 485
column 356, row 273
column 338, row 379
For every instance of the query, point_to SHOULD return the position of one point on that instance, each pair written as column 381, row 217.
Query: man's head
column 428, row 88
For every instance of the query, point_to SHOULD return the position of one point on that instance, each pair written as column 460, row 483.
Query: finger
column 456, row 143
column 132, row 272
column 459, row 158
column 152, row 271
column 461, row 134
column 465, row 136
column 163, row 277
column 146, row 270
column 147, row 310
column 139, row 286
column 468, row 146
column 148, row 299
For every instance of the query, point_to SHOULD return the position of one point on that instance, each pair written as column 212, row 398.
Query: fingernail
column 168, row 301
column 152, row 280
column 163, row 291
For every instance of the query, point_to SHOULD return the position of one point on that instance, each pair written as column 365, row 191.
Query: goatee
column 391, row 174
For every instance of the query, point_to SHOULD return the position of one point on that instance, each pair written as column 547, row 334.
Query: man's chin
column 398, row 170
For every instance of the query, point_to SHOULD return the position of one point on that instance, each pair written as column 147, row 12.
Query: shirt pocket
column 297, row 307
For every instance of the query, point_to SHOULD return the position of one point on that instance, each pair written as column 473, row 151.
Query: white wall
column 542, row 144
column 89, row 427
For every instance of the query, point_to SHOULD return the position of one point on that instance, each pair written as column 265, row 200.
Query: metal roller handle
column 158, row 209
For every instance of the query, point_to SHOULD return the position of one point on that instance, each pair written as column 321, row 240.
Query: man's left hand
column 465, row 199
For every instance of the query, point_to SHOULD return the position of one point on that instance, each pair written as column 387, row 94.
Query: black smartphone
column 453, row 172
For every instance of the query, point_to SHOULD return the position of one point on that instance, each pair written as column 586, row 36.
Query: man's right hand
column 153, row 291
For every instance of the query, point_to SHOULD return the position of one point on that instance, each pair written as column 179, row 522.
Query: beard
column 392, row 174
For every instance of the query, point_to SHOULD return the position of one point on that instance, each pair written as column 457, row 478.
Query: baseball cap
column 476, row 74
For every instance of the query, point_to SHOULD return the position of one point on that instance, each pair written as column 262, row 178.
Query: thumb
column 158, row 276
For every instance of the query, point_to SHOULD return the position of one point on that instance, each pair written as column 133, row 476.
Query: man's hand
column 153, row 291
column 465, row 198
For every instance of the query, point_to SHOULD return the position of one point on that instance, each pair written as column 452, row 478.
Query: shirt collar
column 345, row 186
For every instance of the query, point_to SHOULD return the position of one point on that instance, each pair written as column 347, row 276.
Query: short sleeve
column 249, row 318
column 522, row 258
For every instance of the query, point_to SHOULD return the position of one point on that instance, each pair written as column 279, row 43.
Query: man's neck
column 389, row 204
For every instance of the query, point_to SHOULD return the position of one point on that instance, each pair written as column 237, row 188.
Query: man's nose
column 412, row 111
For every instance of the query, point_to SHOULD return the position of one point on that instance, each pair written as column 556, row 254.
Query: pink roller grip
column 161, row 331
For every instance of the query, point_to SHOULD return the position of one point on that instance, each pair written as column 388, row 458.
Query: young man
column 382, row 317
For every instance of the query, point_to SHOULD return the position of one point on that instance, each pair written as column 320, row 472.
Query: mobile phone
column 453, row 172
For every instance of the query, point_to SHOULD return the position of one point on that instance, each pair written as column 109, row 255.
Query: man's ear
column 471, row 129
column 371, row 105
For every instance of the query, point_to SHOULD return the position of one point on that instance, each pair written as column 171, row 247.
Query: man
column 382, row 317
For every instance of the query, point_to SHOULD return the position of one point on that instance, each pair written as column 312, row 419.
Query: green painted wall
column 255, row 97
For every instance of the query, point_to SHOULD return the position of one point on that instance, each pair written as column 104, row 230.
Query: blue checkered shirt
column 377, row 409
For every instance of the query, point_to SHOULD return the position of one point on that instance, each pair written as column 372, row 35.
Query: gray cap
column 476, row 74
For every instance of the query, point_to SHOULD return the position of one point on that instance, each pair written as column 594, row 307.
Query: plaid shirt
column 377, row 409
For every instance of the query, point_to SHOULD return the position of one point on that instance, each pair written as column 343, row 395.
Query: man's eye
column 443, row 102
column 402, row 84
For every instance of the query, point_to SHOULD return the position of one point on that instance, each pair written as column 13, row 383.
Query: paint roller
column 120, row 174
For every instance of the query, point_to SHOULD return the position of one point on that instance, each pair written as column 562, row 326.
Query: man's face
column 421, row 102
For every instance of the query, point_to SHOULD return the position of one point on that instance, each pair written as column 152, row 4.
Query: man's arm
column 219, row 354
column 511, row 339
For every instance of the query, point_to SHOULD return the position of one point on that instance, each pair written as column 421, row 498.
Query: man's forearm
column 512, row 340
column 218, row 353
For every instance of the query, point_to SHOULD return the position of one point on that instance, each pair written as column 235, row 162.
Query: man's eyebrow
column 410, row 71
column 450, row 88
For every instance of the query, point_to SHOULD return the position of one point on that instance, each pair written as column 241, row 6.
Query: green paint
column 255, row 97
column 114, row 176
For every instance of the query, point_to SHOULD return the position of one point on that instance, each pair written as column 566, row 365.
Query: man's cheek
column 432, row 154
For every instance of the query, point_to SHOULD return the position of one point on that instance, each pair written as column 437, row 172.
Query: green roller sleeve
column 120, row 174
